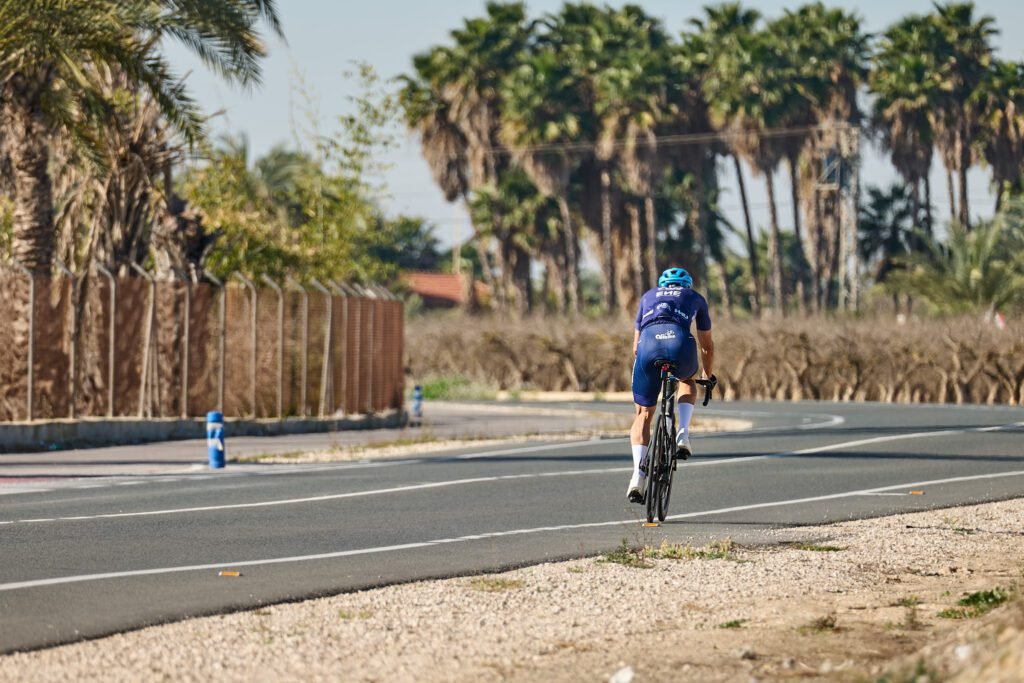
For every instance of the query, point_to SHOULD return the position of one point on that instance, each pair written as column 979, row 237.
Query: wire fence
column 132, row 346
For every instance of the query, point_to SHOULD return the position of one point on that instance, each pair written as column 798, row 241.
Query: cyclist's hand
column 712, row 382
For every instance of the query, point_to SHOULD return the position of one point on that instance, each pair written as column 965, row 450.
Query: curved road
column 98, row 556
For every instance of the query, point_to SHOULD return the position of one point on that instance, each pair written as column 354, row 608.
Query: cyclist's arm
column 636, row 340
column 707, row 352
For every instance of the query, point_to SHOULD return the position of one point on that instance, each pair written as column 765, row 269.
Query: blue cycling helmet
column 677, row 277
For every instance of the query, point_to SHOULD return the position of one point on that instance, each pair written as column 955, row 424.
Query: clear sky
column 325, row 36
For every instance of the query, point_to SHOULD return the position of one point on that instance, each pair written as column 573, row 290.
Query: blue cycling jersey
column 673, row 305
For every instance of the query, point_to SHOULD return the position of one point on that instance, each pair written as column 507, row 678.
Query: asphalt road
column 90, row 557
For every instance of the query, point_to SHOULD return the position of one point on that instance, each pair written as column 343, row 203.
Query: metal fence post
column 112, row 331
column 147, row 336
column 31, row 334
column 72, row 360
column 186, row 346
column 280, row 343
column 305, row 344
column 252, row 361
column 326, row 370
column 222, row 324
column 341, row 291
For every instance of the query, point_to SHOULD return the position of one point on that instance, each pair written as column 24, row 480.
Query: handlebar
column 709, row 384
column 709, row 387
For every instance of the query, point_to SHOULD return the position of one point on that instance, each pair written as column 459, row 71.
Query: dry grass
column 945, row 361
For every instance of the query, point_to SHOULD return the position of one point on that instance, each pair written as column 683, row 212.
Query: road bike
column 660, row 462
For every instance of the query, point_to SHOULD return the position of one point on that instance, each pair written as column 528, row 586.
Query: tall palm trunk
column 755, row 275
column 820, row 268
column 952, row 194
column 637, row 244
column 522, row 297
column 774, row 246
column 964, row 163
column 26, row 133
column 609, row 283
column 915, row 203
column 801, row 274
column 652, row 242
column 928, row 205
column 572, row 279
column 723, row 284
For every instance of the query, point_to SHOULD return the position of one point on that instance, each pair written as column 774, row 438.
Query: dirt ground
column 868, row 600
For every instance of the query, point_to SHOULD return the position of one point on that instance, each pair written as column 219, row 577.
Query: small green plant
column 455, row 388
column 976, row 604
column 824, row 624
column 735, row 623
column 912, row 601
column 490, row 584
column 346, row 615
column 815, row 547
column 628, row 557
column 575, row 570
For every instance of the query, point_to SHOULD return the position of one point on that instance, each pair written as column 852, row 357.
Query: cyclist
column 663, row 333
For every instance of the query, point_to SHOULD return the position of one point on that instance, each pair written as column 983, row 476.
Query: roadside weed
column 825, row 624
column 735, row 623
column 489, row 584
column 814, row 547
column 628, row 557
column 716, row 550
column 346, row 615
column 976, row 604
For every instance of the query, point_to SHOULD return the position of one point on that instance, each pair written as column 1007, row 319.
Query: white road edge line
column 37, row 583
column 506, row 477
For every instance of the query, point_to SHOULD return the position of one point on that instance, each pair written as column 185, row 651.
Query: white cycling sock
column 638, row 455
column 685, row 413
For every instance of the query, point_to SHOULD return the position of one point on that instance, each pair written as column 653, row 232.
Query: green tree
column 886, row 231
column 973, row 271
column 50, row 54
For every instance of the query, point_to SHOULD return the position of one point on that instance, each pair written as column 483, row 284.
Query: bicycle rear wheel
column 665, row 483
column 655, row 457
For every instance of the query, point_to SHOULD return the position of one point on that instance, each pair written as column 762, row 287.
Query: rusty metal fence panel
column 130, row 346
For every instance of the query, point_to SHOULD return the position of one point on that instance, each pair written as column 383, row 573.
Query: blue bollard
column 215, row 438
column 417, row 402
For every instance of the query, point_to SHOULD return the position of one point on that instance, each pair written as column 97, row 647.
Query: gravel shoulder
column 852, row 601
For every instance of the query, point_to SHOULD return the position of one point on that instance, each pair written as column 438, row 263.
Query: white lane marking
column 529, row 449
column 36, row 583
column 479, row 480
column 317, row 499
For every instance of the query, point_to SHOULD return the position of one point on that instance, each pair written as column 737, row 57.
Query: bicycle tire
column 665, row 487
column 654, row 470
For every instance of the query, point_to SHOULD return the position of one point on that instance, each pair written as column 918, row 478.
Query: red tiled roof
column 438, row 287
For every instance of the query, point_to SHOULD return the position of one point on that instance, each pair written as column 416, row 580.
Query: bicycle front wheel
column 665, row 485
column 655, row 457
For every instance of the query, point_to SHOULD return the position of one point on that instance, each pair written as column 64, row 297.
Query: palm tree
column 748, row 95
column 905, row 85
column 51, row 56
column 977, row 270
column 546, row 114
column 962, row 52
column 454, row 101
column 886, row 230
column 827, row 49
column 1000, row 101
column 723, row 31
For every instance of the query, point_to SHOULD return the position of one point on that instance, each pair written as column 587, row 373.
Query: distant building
column 446, row 290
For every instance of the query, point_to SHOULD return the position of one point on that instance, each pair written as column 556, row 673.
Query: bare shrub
column 946, row 361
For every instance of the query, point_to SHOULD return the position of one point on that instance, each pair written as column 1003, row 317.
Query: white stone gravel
column 591, row 619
